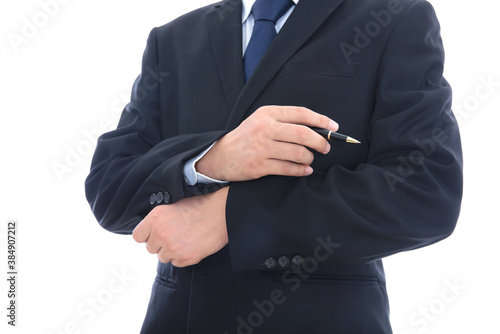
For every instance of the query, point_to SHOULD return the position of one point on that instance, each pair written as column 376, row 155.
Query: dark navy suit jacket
column 304, row 254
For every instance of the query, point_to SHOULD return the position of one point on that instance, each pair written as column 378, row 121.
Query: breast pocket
column 329, row 88
column 322, row 69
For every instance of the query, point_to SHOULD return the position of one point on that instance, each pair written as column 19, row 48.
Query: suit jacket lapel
column 224, row 26
column 306, row 18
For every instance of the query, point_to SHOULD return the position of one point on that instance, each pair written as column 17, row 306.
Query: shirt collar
column 247, row 9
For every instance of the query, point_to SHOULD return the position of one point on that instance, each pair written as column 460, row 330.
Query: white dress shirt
column 247, row 21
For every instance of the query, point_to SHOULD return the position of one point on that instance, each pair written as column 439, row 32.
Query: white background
column 68, row 82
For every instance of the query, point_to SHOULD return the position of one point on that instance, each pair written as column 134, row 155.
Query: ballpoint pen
column 329, row 135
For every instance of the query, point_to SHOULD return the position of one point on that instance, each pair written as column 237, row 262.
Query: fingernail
column 309, row 170
column 328, row 148
column 334, row 126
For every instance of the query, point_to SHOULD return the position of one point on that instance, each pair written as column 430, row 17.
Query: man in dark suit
column 267, row 227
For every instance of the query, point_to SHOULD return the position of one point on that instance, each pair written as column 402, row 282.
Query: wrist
column 208, row 166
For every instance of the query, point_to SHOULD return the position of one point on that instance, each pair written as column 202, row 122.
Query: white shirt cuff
column 192, row 176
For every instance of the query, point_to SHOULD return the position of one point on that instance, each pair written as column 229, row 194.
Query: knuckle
column 302, row 113
column 157, row 213
column 257, row 129
column 298, row 154
column 162, row 258
column 257, row 113
column 275, row 127
column 173, row 247
column 289, row 169
column 263, row 127
column 304, row 156
column 149, row 249
column 162, row 234
column 264, row 111
column 301, row 133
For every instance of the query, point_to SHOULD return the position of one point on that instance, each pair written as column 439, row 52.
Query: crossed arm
column 374, row 205
column 273, row 141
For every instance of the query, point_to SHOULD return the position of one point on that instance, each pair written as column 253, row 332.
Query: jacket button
column 270, row 263
column 297, row 260
column 152, row 199
column 283, row 262
column 166, row 197
column 159, row 198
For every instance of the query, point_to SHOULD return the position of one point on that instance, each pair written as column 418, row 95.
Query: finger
column 163, row 257
column 185, row 263
column 153, row 247
column 304, row 116
column 303, row 136
column 296, row 153
column 142, row 231
column 287, row 168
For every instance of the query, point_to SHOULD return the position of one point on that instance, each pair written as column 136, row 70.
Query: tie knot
column 270, row 10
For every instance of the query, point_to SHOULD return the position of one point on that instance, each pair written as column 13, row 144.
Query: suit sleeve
column 406, row 194
column 136, row 166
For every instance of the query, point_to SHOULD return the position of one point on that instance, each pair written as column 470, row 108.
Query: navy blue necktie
column 266, row 13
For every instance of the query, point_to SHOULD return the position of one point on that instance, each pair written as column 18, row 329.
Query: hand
column 272, row 141
column 187, row 231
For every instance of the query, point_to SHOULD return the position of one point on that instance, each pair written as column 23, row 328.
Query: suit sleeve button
column 159, row 197
column 283, row 262
column 166, row 197
column 297, row 260
column 270, row 263
column 152, row 199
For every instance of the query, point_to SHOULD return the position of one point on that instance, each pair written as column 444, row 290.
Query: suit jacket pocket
column 326, row 69
column 167, row 275
column 313, row 278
